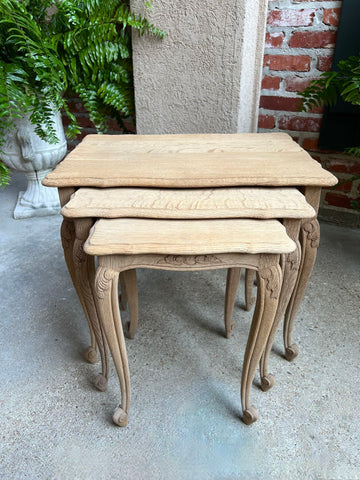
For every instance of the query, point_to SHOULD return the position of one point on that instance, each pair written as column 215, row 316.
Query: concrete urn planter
column 24, row 151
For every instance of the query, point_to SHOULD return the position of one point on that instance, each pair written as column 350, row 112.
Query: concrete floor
column 184, row 420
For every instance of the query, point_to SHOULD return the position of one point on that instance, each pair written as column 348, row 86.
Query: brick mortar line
column 291, row 113
column 280, row 6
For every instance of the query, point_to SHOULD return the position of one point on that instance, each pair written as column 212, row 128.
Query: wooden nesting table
column 183, row 162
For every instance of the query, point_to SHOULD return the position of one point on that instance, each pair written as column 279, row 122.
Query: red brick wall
column 87, row 126
column 299, row 44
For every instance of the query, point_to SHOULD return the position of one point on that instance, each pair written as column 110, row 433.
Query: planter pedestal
column 37, row 200
column 24, row 151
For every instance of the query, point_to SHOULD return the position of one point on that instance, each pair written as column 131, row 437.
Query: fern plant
column 50, row 47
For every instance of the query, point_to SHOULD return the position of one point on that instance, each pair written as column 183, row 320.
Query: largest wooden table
column 188, row 161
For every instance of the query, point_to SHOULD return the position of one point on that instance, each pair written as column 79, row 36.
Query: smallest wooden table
column 129, row 243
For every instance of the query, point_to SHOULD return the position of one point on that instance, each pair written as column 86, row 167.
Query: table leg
column 269, row 280
column 309, row 239
column 232, row 282
column 123, row 297
column 67, row 239
column 106, row 288
column 249, row 288
column 290, row 266
column 130, row 283
column 85, row 274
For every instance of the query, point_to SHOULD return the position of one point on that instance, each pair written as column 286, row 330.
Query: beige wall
column 205, row 75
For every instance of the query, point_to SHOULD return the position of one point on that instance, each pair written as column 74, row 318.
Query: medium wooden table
column 187, row 161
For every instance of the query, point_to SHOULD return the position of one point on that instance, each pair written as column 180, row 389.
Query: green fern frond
column 4, row 175
column 50, row 46
column 344, row 83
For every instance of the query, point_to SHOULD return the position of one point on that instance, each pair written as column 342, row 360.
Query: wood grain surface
column 188, row 203
column 187, row 237
column 188, row 161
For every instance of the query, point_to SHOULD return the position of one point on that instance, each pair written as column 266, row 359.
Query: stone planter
column 24, row 151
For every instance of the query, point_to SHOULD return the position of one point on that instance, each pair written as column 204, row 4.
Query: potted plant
column 48, row 47
column 344, row 82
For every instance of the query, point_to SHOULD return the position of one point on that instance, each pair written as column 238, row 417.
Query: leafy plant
column 344, row 83
column 50, row 47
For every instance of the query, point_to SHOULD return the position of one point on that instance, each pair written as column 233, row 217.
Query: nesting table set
column 189, row 202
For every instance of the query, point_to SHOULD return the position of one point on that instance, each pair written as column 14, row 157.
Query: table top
column 193, row 203
column 189, row 161
column 131, row 236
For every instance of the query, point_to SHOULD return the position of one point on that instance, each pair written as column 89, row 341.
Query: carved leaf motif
column 293, row 260
column 312, row 231
column 189, row 260
column 103, row 281
column 272, row 279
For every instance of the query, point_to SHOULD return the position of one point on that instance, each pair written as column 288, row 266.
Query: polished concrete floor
column 185, row 412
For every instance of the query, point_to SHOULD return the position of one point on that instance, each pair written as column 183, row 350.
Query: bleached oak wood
column 309, row 239
column 232, row 282
column 191, row 203
column 68, row 238
column 296, row 279
column 249, row 288
column 189, row 161
column 185, row 161
column 236, row 202
column 290, row 266
column 106, row 285
column 106, row 278
column 135, row 235
column 131, row 287
column 269, row 282
column 67, row 233
column 109, row 240
column 85, row 274
column 123, row 297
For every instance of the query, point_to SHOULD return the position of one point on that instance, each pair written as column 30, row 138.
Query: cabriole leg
column 67, row 233
column 131, row 288
column 310, row 238
column 85, row 274
column 106, row 294
column 67, row 240
column 249, row 288
column 290, row 270
column 232, row 283
column 269, row 282
column 123, row 297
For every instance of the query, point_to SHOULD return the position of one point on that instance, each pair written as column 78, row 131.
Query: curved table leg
column 290, row 263
column 85, row 274
column 249, row 288
column 131, row 288
column 106, row 288
column 269, row 282
column 232, row 283
column 67, row 239
column 310, row 238
column 123, row 297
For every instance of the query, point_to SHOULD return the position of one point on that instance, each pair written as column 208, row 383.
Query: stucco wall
column 198, row 79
